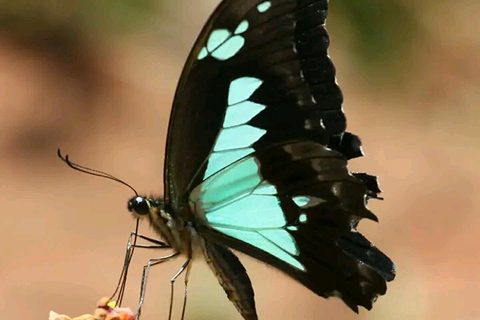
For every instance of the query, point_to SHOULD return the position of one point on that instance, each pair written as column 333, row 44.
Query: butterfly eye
column 139, row 205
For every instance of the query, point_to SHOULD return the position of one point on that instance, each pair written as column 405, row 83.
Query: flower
column 106, row 310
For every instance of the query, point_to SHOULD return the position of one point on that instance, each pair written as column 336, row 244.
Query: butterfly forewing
column 257, row 75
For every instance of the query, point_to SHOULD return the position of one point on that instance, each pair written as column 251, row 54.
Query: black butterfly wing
column 284, row 46
column 316, row 241
column 257, row 149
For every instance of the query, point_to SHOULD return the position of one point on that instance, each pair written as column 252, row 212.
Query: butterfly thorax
column 180, row 235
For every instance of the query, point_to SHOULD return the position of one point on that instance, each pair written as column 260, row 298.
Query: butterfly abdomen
column 233, row 278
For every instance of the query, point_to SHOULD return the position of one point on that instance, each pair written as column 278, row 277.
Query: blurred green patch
column 379, row 33
column 87, row 15
column 69, row 30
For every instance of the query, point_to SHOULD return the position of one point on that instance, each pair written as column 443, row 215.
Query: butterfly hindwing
column 298, row 210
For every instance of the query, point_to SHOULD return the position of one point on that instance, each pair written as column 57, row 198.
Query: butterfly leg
column 186, row 266
column 187, row 275
column 146, row 271
column 131, row 245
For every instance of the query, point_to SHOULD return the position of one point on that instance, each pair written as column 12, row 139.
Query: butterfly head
column 142, row 207
column 169, row 227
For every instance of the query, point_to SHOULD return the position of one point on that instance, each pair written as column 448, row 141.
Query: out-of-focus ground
column 99, row 84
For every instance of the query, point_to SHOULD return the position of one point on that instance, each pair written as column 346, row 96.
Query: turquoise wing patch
column 237, row 202
column 236, row 137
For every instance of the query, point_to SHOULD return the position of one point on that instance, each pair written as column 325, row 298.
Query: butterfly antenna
column 92, row 172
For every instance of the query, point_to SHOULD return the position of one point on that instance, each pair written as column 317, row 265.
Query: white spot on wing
column 227, row 185
column 281, row 238
column 229, row 48
column 264, row 6
column 301, row 200
column 203, row 53
column 249, row 212
column 241, row 113
column 238, row 137
column 336, row 189
column 242, row 88
column 242, row 27
column 216, row 38
column 302, row 218
column 307, row 201
column 258, row 241
column 220, row 160
column 265, row 188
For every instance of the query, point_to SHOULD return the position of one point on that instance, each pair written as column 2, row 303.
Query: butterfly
column 256, row 159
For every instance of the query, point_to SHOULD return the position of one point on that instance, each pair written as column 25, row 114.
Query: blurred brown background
column 97, row 78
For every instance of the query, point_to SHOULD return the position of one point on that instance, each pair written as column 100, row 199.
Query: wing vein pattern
column 257, row 151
